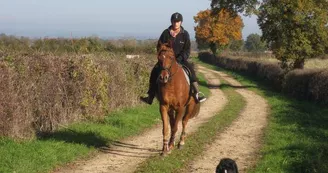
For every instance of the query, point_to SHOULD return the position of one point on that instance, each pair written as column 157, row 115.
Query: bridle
column 168, row 69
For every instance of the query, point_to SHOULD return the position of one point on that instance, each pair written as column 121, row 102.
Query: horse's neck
column 176, row 71
column 176, row 88
column 175, row 67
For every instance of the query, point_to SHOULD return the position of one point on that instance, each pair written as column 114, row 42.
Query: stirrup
column 201, row 98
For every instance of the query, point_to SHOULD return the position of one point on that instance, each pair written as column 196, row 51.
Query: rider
column 181, row 47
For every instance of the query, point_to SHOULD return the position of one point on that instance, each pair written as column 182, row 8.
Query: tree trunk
column 213, row 48
column 299, row 63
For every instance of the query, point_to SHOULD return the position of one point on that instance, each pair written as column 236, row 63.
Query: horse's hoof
column 164, row 154
column 180, row 146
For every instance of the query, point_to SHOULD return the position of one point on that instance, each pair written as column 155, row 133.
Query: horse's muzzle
column 164, row 78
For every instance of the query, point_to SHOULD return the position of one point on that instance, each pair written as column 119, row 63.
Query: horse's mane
column 165, row 47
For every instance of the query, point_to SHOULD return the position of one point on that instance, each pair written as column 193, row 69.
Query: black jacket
column 181, row 43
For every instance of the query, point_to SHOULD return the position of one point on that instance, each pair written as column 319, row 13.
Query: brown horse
column 176, row 102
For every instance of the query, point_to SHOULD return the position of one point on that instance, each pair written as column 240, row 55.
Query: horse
column 175, row 97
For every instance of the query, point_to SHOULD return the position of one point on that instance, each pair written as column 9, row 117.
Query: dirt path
column 241, row 140
column 125, row 156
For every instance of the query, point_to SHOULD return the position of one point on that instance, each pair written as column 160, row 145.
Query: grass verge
column 296, row 137
column 196, row 142
column 203, row 85
column 78, row 141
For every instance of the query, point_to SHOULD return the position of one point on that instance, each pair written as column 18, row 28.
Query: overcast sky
column 104, row 18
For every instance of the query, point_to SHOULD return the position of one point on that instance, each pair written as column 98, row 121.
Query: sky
column 141, row 19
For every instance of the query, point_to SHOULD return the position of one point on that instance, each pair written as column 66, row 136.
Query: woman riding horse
column 175, row 101
column 180, row 39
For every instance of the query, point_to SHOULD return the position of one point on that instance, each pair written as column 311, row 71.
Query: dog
column 227, row 165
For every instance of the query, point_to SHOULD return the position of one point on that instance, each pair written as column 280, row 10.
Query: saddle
column 187, row 73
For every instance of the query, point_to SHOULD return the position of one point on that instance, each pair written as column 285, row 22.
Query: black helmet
column 176, row 17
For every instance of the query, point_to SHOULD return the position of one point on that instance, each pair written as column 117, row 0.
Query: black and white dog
column 227, row 165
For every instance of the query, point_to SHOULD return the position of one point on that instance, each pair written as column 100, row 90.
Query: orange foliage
column 220, row 28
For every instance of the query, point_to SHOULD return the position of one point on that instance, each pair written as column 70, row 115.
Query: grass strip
column 196, row 142
column 78, row 141
column 296, row 136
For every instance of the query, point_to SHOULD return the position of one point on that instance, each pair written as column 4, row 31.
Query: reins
column 169, row 69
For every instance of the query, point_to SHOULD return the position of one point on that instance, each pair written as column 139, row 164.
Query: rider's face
column 176, row 25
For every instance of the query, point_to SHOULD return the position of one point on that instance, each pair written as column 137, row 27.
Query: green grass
column 196, row 142
column 37, row 156
column 78, row 141
column 296, row 139
column 203, row 84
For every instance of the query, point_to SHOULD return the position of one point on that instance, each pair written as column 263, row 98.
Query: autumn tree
column 217, row 30
column 296, row 30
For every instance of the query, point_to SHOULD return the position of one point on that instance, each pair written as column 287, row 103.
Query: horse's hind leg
column 183, row 132
column 188, row 114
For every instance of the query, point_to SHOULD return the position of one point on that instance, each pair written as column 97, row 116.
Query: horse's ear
column 159, row 45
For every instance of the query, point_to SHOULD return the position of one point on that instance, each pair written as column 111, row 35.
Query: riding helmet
column 176, row 17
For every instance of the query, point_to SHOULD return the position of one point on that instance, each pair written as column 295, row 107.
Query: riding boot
column 200, row 97
column 152, row 86
column 149, row 99
column 151, row 94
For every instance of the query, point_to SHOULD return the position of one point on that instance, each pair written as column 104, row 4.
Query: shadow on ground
column 92, row 139
column 222, row 86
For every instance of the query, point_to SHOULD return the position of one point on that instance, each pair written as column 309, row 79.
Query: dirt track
column 126, row 155
column 241, row 140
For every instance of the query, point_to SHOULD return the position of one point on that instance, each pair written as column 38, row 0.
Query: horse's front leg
column 174, row 128
column 172, row 122
column 166, row 135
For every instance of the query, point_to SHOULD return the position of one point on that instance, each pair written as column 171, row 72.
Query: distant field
column 311, row 63
column 317, row 63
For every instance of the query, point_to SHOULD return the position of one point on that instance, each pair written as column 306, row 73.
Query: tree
column 235, row 6
column 295, row 30
column 254, row 43
column 217, row 30
column 236, row 45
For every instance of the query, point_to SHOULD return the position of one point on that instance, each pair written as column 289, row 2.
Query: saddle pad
column 186, row 73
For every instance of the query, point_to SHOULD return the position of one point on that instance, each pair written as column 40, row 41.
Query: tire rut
column 242, row 139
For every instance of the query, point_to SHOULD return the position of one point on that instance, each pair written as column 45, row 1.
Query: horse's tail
column 195, row 110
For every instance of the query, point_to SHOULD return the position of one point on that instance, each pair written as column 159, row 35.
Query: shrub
column 297, row 83
column 40, row 92
column 319, row 87
column 307, row 84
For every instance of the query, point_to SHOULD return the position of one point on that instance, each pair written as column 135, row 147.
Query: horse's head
column 166, row 59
